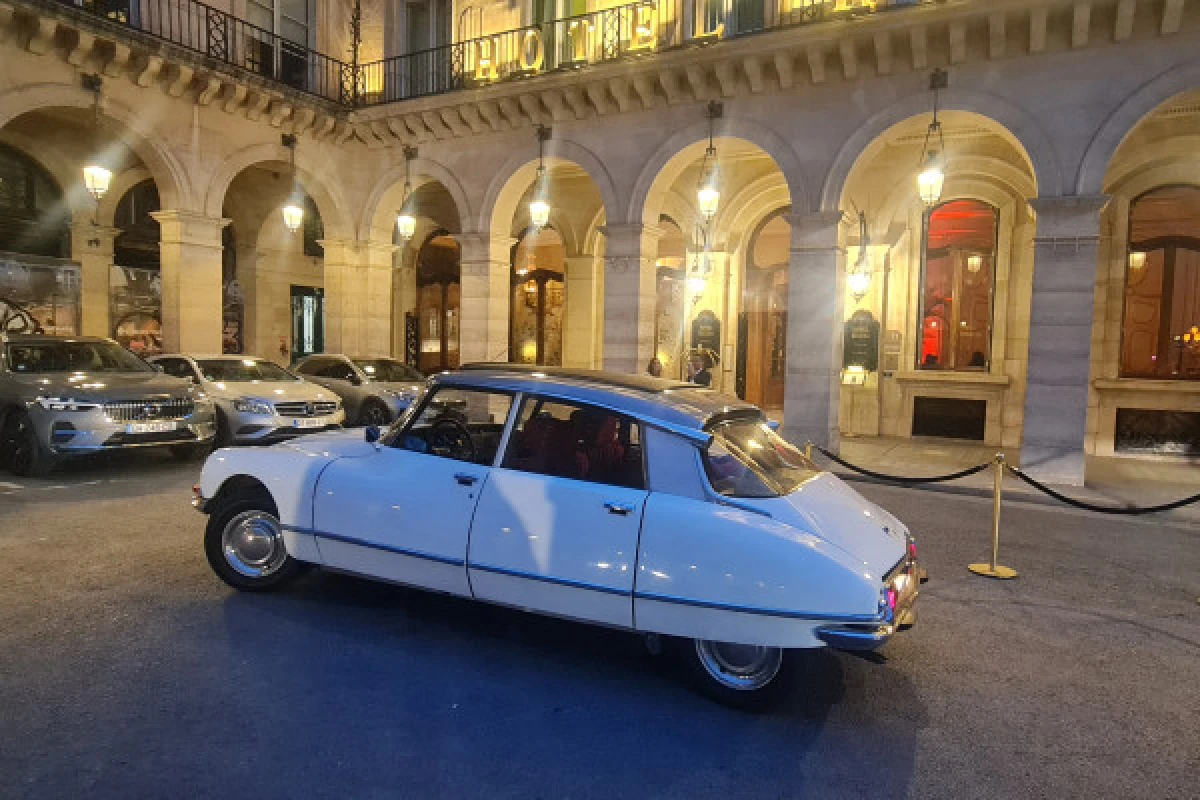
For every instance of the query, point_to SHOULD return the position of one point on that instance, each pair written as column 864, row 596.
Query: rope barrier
column 902, row 479
column 1126, row 510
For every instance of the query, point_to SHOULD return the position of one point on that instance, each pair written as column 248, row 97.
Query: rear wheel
column 21, row 450
column 739, row 675
column 244, row 544
column 374, row 412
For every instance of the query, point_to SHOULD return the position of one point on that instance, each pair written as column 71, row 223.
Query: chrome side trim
column 818, row 616
column 402, row 551
column 513, row 573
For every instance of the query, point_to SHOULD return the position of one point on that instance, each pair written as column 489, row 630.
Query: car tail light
column 891, row 599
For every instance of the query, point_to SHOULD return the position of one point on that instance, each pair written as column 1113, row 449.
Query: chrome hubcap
column 744, row 667
column 253, row 544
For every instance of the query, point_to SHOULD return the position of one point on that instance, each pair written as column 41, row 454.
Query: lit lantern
column 859, row 283
column 406, row 223
column 932, row 178
column 539, row 206
column 708, row 193
column 96, row 180
column 539, row 212
column 293, row 216
column 931, row 181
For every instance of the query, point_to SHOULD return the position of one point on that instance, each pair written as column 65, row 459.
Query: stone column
column 358, row 297
column 485, row 262
column 814, row 341
column 92, row 247
column 190, row 257
column 581, row 314
column 629, row 296
column 1060, row 332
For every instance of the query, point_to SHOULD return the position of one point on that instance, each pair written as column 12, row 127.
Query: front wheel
column 244, row 545
column 21, row 450
column 738, row 675
column 374, row 412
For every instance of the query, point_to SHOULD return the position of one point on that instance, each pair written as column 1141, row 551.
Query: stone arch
column 317, row 181
column 169, row 175
column 106, row 209
column 372, row 221
column 681, row 149
column 1029, row 136
column 512, row 180
column 1120, row 123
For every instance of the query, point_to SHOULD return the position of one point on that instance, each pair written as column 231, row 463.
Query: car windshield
column 27, row 357
column 748, row 459
column 385, row 369
column 240, row 370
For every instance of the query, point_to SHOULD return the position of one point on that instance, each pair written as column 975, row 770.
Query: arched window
column 1161, row 329
column 539, row 263
column 33, row 218
column 137, row 243
column 957, row 283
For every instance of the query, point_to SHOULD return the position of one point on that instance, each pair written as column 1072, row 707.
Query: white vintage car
column 637, row 503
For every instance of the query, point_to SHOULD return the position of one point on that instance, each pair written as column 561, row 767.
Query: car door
column 557, row 525
column 403, row 512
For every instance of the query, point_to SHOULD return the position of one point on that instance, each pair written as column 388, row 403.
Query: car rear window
column 27, row 357
column 748, row 459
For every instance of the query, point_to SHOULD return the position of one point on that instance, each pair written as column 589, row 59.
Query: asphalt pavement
column 128, row 671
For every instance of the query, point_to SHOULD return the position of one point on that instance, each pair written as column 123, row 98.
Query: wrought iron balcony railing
column 626, row 31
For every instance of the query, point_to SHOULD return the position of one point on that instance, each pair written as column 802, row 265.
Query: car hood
column 398, row 386
column 335, row 444
column 99, row 386
column 828, row 508
column 275, row 391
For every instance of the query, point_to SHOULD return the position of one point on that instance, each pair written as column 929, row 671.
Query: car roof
column 674, row 405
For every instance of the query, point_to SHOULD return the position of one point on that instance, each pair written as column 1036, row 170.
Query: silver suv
column 63, row 396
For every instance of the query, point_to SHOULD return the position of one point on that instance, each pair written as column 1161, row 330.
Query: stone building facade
column 1045, row 302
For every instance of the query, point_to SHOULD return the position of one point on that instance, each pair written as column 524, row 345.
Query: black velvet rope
column 901, row 478
column 1126, row 510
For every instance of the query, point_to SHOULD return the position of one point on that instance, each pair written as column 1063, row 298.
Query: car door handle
column 619, row 508
column 464, row 479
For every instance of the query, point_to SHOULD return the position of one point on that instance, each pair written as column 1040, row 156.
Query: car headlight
column 66, row 404
column 252, row 405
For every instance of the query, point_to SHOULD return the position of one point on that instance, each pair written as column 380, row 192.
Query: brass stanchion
column 808, row 450
column 994, row 570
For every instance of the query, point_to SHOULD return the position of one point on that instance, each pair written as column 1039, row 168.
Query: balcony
column 630, row 31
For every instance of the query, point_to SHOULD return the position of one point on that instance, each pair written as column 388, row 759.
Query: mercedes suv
column 66, row 396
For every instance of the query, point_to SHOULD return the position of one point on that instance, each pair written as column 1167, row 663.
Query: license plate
column 150, row 427
column 310, row 422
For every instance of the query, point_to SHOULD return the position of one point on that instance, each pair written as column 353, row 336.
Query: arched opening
column 762, row 359
column 135, row 291
column 438, row 307
column 536, row 300
column 957, row 284
column 38, row 290
column 936, row 318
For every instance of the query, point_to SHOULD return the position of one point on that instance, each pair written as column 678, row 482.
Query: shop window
column 137, row 243
column 314, row 229
column 956, row 287
column 538, row 264
column 1160, row 335
column 33, row 218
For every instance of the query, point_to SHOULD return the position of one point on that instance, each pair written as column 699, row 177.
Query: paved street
column 128, row 670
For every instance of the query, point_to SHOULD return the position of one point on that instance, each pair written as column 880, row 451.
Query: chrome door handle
column 464, row 479
column 619, row 508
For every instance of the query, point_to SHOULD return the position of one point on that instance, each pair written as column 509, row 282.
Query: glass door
column 308, row 321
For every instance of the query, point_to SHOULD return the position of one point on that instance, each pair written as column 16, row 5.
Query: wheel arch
column 241, row 484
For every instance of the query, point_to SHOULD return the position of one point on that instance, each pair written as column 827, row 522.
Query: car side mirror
column 773, row 424
column 371, row 434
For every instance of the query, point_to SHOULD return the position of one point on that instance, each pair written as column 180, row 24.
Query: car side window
column 177, row 367
column 458, row 423
column 579, row 442
column 311, row 367
column 338, row 370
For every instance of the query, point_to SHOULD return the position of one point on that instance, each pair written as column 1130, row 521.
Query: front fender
column 288, row 474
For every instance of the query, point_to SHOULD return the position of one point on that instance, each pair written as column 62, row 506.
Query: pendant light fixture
column 293, row 210
column 932, row 178
column 539, row 206
column 96, row 177
column 708, row 192
column 858, row 281
column 406, row 223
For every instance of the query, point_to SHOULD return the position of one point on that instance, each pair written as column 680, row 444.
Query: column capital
column 92, row 239
column 189, row 227
column 1068, row 217
column 628, row 239
column 820, row 230
column 483, row 246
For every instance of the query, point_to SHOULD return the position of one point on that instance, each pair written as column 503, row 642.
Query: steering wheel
column 449, row 438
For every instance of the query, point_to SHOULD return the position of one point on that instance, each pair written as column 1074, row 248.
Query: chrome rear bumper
column 905, row 580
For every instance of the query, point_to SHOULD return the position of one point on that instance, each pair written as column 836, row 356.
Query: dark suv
column 63, row 396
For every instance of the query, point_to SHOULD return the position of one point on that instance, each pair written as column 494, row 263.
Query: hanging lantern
column 932, row 178
column 406, row 223
column 539, row 212
column 293, row 215
column 931, row 181
column 859, row 284
column 708, row 192
column 1137, row 259
column 96, row 180
column 539, row 206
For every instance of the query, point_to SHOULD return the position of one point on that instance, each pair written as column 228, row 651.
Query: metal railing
column 554, row 46
column 227, row 39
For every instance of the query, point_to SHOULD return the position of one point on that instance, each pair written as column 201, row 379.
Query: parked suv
column 64, row 396
column 258, row 401
column 374, row 390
